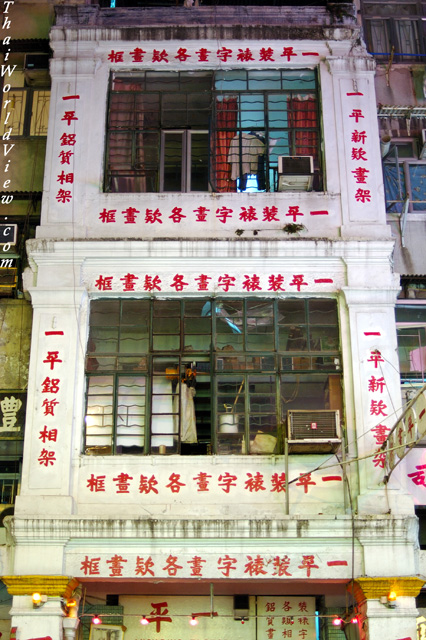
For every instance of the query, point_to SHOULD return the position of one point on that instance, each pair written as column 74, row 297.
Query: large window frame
column 207, row 376
column 250, row 117
column 404, row 177
column 395, row 29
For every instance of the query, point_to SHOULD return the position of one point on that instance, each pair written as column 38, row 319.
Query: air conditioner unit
column 313, row 431
column 295, row 173
column 36, row 68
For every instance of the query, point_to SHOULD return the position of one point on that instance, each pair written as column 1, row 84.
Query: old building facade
column 214, row 359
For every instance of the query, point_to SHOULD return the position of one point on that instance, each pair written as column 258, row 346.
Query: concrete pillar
column 381, row 618
column 51, row 618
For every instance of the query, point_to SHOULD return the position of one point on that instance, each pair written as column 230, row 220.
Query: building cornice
column 376, row 588
column 53, row 586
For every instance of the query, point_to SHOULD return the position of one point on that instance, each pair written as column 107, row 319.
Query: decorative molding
column 375, row 588
column 54, row 586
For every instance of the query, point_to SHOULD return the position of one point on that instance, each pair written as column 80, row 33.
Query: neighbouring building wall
column 268, row 297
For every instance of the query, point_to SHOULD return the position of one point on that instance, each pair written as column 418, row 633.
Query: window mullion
column 115, row 413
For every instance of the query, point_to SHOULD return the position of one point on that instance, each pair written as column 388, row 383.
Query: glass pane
column 135, row 312
column 40, row 113
column 17, row 113
column 166, row 308
column 322, row 312
column 293, row 338
column 166, row 325
column 260, row 326
column 197, row 325
column 173, row 147
column 277, row 111
column 165, row 408
column 99, row 415
column 230, row 80
column 418, row 186
column 395, row 190
column 412, row 314
column 302, row 80
column 199, row 109
column 229, row 444
column 262, row 393
column 252, row 111
column 407, row 36
column 304, row 391
column 101, row 363
column 291, row 312
column 231, row 402
column 326, row 363
column 103, row 340
column 104, row 313
column 164, row 444
column 134, row 340
column 131, row 414
column 264, row 80
column 379, row 36
column 174, row 111
column 168, row 366
column 324, row 339
column 263, row 434
column 147, row 110
column 412, row 351
column 135, row 363
column 231, row 363
column 199, row 162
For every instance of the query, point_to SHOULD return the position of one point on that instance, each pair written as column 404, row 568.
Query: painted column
column 373, row 364
column 51, row 617
column 357, row 142
column 55, row 386
column 384, row 618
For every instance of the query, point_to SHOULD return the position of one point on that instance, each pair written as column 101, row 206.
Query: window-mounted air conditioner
column 295, row 173
column 36, row 68
column 313, row 431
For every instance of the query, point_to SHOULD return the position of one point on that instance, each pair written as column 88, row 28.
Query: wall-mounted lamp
column 193, row 621
column 96, row 620
column 38, row 599
column 389, row 600
column 72, row 602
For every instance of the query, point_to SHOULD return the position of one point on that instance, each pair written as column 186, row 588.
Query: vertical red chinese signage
column 286, row 617
column 50, row 397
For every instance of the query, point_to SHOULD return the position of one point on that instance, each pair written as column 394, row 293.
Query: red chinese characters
column 222, row 54
column 49, row 389
column 195, row 565
column 376, row 385
column 201, row 214
column 67, row 139
column 358, row 139
column 225, row 282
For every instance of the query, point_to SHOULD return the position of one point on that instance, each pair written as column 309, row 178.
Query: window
column 205, row 131
column 10, row 474
column 27, row 112
column 203, row 376
column 411, row 331
column 394, row 28
column 404, row 178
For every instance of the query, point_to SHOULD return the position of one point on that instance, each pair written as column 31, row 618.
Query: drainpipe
column 70, row 626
